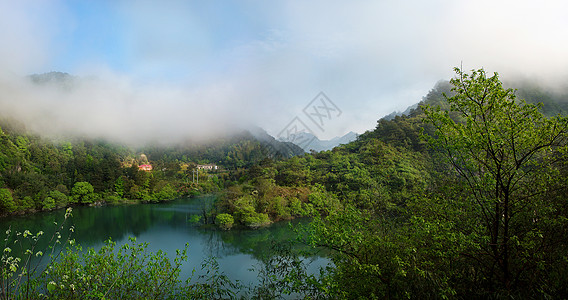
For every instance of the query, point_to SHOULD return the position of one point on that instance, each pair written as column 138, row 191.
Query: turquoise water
column 166, row 227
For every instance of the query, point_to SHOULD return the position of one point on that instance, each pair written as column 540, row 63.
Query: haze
column 169, row 70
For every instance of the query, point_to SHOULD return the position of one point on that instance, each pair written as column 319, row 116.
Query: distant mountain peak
column 279, row 147
column 310, row 142
column 62, row 80
column 51, row 77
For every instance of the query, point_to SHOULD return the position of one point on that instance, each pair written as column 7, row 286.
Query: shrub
column 61, row 200
column 48, row 203
column 83, row 192
column 255, row 220
column 225, row 221
column 296, row 209
column 7, row 201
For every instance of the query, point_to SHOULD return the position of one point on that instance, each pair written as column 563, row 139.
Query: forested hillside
column 463, row 197
column 40, row 174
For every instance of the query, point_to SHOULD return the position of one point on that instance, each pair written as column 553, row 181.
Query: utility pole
column 193, row 176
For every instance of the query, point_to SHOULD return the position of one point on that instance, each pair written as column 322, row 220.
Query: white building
column 207, row 167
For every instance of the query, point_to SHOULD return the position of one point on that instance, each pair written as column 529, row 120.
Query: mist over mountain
column 282, row 148
column 62, row 107
column 553, row 99
column 59, row 104
column 309, row 142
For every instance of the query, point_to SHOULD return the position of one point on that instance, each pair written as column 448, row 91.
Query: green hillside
column 40, row 174
column 463, row 197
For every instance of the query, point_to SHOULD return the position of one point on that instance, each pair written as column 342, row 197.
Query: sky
column 165, row 70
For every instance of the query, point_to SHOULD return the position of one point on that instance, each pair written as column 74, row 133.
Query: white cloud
column 263, row 62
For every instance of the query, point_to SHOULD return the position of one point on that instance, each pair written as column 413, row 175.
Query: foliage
column 22, row 261
column 213, row 284
column 166, row 193
column 48, row 203
column 83, row 192
column 129, row 273
column 480, row 213
column 60, row 198
column 509, row 158
column 225, row 221
column 283, row 273
column 7, row 201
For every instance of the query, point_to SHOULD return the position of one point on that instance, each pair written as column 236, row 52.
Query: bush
column 113, row 199
column 255, row 220
column 7, row 201
column 61, row 200
column 83, row 192
column 27, row 203
column 127, row 273
column 296, row 209
column 225, row 221
column 166, row 193
column 48, row 203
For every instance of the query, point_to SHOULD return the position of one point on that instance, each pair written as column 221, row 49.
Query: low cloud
column 114, row 109
column 167, row 72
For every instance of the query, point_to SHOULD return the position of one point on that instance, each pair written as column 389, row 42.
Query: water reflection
column 165, row 227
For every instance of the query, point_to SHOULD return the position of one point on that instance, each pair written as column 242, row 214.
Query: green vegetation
column 37, row 174
column 462, row 198
column 225, row 221
column 481, row 213
column 121, row 272
column 510, row 159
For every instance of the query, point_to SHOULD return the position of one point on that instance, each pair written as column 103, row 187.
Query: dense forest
column 40, row 174
column 463, row 197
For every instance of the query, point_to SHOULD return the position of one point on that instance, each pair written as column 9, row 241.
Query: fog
column 171, row 70
column 115, row 109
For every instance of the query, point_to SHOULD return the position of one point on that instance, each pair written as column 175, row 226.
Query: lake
column 166, row 227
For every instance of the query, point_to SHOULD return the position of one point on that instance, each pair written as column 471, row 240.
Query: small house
column 209, row 167
column 145, row 167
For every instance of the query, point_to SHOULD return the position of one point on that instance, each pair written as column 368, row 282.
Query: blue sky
column 262, row 62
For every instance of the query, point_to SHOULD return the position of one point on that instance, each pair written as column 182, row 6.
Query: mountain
column 51, row 77
column 309, row 142
column 398, row 113
column 279, row 148
column 63, row 81
column 553, row 101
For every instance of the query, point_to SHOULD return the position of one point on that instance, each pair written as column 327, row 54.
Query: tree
column 48, row 203
column 60, row 199
column 225, row 221
column 83, row 192
column 508, row 157
column 119, row 187
column 6, row 201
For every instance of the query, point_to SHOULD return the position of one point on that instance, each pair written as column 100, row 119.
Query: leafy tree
column 7, row 201
column 119, row 187
column 48, row 203
column 61, row 199
column 225, row 221
column 83, row 192
column 166, row 193
column 508, row 158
